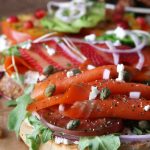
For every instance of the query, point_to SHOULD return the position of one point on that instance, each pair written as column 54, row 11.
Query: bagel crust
column 51, row 145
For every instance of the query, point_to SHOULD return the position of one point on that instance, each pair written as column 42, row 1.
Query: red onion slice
column 135, row 138
column 133, row 50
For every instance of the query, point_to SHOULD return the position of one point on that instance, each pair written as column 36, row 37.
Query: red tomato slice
column 56, row 122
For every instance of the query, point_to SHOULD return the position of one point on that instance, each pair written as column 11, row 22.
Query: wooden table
column 9, row 140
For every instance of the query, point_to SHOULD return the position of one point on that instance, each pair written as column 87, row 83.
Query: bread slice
column 51, row 145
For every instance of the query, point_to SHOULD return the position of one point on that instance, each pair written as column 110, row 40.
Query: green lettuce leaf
column 40, row 134
column 108, row 142
column 18, row 114
column 93, row 16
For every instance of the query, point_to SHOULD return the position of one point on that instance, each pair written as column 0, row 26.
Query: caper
column 105, row 92
column 147, row 82
column 48, row 70
column 127, row 76
column 144, row 125
column 76, row 71
column 72, row 124
column 137, row 131
column 50, row 90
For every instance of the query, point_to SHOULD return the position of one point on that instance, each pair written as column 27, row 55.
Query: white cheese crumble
column 61, row 108
column 119, row 32
column 94, row 92
column 90, row 67
column 50, row 51
column 135, row 95
column 90, row 38
column 26, row 45
column 70, row 74
column 31, row 77
column 60, row 140
column 147, row 108
column 4, row 44
column 106, row 74
column 120, row 70
column 42, row 77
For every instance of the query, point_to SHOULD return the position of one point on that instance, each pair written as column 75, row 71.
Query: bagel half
column 51, row 145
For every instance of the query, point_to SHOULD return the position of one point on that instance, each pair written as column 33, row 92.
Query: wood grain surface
column 12, row 7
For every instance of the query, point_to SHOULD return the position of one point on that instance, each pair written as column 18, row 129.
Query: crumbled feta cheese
column 106, row 74
column 76, row 142
column 66, row 141
column 26, row 45
column 117, row 43
column 4, row 44
column 90, row 67
column 120, row 70
column 135, row 95
column 70, row 74
column 90, row 38
column 119, row 32
column 50, row 50
column 94, row 92
column 42, row 77
column 147, row 108
column 60, row 140
column 31, row 77
column 61, row 108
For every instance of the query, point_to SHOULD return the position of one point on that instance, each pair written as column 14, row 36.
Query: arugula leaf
column 11, row 103
column 108, row 142
column 46, row 135
column 39, row 134
column 18, row 114
column 33, row 141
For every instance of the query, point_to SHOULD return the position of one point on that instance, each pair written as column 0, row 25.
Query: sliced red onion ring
column 68, row 51
column 141, row 60
column 133, row 50
column 44, row 37
column 135, row 138
column 115, row 56
column 71, row 45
